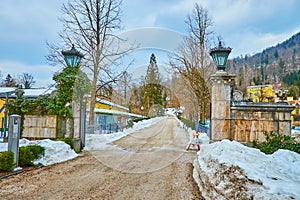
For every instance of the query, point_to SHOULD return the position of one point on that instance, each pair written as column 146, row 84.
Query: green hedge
column 6, row 161
column 188, row 123
column 140, row 119
column 29, row 153
column 26, row 155
column 132, row 121
column 275, row 141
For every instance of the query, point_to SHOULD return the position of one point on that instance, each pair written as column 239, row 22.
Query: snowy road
column 147, row 164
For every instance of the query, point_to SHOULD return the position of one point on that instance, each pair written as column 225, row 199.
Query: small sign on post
column 14, row 136
column 194, row 142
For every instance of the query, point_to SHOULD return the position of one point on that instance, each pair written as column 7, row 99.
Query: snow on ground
column 59, row 151
column 225, row 164
column 296, row 134
column 101, row 141
column 55, row 151
column 202, row 138
column 274, row 176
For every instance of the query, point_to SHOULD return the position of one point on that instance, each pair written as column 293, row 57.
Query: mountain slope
column 269, row 66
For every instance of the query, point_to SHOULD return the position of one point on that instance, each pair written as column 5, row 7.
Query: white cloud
column 184, row 6
column 152, row 37
column 248, row 26
column 42, row 73
column 251, row 42
column 233, row 13
column 29, row 20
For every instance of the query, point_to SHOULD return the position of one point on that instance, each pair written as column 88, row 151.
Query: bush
column 188, row 123
column 29, row 153
column 6, row 161
column 67, row 141
column 140, row 119
column 275, row 141
column 132, row 121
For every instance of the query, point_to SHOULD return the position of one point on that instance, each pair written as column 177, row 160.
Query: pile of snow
column 101, row 141
column 296, row 134
column 171, row 111
column 228, row 169
column 59, row 151
column 55, row 151
column 203, row 137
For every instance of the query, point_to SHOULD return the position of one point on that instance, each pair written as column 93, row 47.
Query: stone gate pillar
column 222, row 83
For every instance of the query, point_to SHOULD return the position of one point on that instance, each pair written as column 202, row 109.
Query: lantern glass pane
column 72, row 60
column 220, row 58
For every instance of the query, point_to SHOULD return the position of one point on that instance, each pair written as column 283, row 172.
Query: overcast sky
column 248, row 26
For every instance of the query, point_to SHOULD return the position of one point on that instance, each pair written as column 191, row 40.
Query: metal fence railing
column 203, row 128
column 103, row 128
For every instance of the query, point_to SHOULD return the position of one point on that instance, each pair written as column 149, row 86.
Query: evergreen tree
column 152, row 89
column 9, row 82
column 152, row 75
column 276, row 54
column 293, row 91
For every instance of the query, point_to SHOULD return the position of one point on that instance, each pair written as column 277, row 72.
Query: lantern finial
column 219, row 55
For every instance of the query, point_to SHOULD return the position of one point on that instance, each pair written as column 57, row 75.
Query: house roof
column 7, row 90
column 35, row 92
column 29, row 93
column 115, row 112
column 111, row 104
column 259, row 86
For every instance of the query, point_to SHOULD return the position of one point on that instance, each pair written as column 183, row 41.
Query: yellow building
column 260, row 93
column 295, row 116
column 111, row 117
column 5, row 95
column 8, row 93
column 104, row 104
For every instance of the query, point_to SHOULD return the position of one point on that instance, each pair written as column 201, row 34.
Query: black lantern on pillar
column 219, row 55
column 72, row 57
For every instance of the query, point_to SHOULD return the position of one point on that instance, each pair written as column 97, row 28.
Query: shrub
column 188, row 123
column 132, row 121
column 275, row 141
column 140, row 119
column 68, row 141
column 29, row 153
column 6, row 161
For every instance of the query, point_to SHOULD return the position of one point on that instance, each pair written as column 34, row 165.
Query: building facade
column 260, row 93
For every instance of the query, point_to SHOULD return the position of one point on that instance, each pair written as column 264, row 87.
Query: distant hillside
column 270, row 66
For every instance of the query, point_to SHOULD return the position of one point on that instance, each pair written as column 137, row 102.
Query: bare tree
column 121, row 90
column 187, row 97
column 91, row 25
column 192, row 60
column 26, row 80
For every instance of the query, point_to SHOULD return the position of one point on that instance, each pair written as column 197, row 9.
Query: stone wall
column 249, row 121
column 243, row 121
column 37, row 126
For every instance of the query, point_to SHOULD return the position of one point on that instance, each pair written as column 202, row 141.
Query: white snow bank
column 55, row 151
column 296, row 135
column 59, row 151
column 203, row 137
column 100, row 141
column 278, row 173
